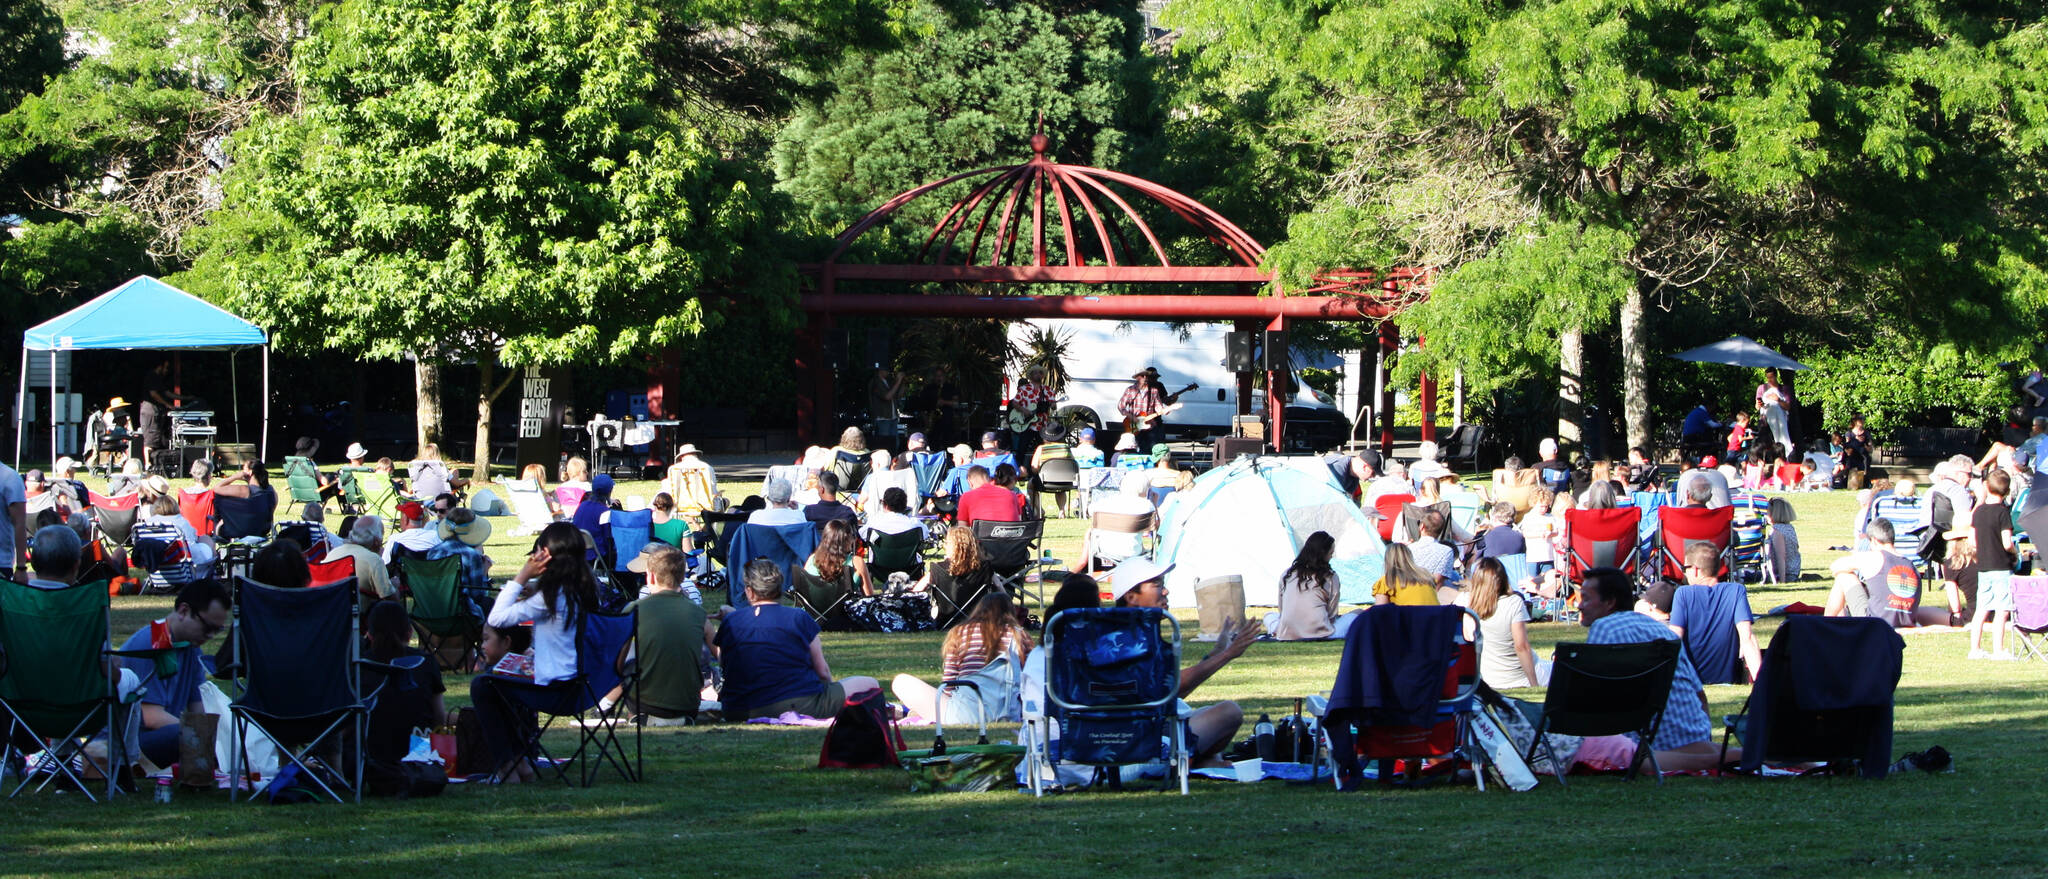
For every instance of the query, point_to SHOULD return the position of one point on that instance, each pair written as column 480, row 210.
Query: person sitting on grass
column 409, row 700
column 1876, row 582
column 1309, row 595
column 1141, row 582
column 837, row 559
column 773, row 658
column 553, row 590
column 1404, row 582
column 1685, row 736
column 1505, row 661
column 1714, row 620
column 200, row 612
column 672, row 637
column 993, row 631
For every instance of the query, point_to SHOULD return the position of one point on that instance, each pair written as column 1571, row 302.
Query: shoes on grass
column 1979, row 654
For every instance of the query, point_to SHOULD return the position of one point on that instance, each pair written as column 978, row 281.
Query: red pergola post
column 1427, row 401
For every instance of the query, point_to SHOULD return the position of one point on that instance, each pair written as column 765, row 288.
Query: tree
column 490, row 182
column 1806, row 158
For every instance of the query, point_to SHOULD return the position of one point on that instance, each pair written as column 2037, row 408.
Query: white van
column 1102, row 355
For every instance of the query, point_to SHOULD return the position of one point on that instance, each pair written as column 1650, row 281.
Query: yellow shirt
column 1409, row 594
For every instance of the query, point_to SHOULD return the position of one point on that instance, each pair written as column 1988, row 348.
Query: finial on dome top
column 1039, row 142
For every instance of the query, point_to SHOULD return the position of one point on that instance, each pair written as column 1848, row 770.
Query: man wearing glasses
column 200, row 613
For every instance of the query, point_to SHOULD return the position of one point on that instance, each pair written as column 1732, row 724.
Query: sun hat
column 1053, row 433
column 355, row 451
column 117, row 402
column 686, row 449
column 639, row 563
column 306, row 446
column 1127, row 443
column 1131, row 573
column 473, row 532
column 1160, row 452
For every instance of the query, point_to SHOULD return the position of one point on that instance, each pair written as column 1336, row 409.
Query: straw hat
column 117, row 402
column 473, row 532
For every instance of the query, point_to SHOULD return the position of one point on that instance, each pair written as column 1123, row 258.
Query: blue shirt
column 1685, row 716
column 1708, row 615
column 766, row 651
column 1503, row 540
column 1699, row 420
column 172, row 693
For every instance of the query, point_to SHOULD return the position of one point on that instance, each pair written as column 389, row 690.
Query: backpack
column 863, row 735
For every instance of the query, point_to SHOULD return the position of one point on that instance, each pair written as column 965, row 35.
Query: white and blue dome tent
column 142, row 314
column 1249, row 518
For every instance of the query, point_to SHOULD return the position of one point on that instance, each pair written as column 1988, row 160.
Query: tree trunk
column 489, row 386
column 1571, row 402
column 1635, row 366
column 426, row 379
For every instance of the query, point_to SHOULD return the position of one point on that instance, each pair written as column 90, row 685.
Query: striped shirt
column 972, row 652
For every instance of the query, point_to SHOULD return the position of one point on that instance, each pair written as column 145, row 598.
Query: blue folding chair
column 1112, row 687
column 1908, row 516
column 631, row 531
column 604, row 651
column 931, row 470
column 788, row 546
column 241, row 517
column 1751, row 535
column 299, row 667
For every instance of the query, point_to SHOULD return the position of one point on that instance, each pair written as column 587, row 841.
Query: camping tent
column 1249, row 519
column 147, row 314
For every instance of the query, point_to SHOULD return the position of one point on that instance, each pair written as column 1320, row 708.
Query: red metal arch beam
column 1129, row 307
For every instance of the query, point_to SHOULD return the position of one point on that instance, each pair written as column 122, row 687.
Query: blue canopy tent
column 145, row 314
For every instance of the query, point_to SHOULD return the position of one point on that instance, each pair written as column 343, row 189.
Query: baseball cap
column 1710, row 461
column 412, row 510
column 917, row 438
column 1128, row 574
column 988, row 436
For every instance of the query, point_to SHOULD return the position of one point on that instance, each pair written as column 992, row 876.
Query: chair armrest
column 166, row 658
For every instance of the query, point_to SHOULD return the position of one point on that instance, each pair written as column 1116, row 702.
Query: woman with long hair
column 1309, row 594
column 837, row 559
column 993, row 631
column 553, row 590
column 961, row 572
column 1505, row 660
column 1403, row 581
column 404, row 705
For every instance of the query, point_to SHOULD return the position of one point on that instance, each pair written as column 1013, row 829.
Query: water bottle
column 1262, row 734
column 164, row 787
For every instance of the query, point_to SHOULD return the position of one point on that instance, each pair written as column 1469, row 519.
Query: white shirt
column 1126, row 504
column 12, row 492
column 776, row 516
column 887, row 522
column 417, row 539
column 554, row 643
column 1387, row 485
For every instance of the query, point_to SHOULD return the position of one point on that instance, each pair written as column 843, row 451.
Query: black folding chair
column 1825, row 696
column 1605, row 690
column 823, row 599
column 299, row 666
column 896, row 553
column 243, row 517
column 604, row 647
column 1009, row 550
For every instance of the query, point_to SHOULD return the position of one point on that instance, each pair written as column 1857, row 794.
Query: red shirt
column 992, row 502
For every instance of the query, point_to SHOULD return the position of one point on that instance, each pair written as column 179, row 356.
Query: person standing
column 885, row 387
column 1772, row 399
column 157, row 399
column 13, row 532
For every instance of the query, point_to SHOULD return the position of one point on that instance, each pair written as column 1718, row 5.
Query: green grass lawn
column 723, row 800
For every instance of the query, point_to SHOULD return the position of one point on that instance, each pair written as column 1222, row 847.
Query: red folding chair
column 334, row 571
column 1600, row 539
column 197, row 508
column 1414, row 752
column 1678, row 528
column 1389, row 507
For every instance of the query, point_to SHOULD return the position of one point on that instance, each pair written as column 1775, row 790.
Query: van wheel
column 1077, row 417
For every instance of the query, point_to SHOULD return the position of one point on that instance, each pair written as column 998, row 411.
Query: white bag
column 262, row 751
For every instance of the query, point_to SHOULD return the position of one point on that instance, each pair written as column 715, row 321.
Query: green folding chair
column 891, row 553
column 302, row 477
column 438, row 612
column 352, row 500
column 380, row 496
column 58, row 683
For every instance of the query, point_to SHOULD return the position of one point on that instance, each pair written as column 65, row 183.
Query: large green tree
column 490, row 182
column 1567, row 165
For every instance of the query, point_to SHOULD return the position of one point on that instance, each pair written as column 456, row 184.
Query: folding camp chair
column 530, row 504
column 1679, row 528
column 298, row 665
column 1009, row 550
column 312, row 537
column 825, row 600
column 302, row 480
column 630, row 531
column 162, row 551
column 57, row 687
column 380, row 495
column 1606, row 690
column 1437, row 726
column 896, row 553
column 786, row 545
column 1389, row 507
column 604, row 649
column 1910, row 528
column 1825, row 695
column 1114, row 537
column 350, row 489
column 1465, row 509
column 2030, row 615
column 114, row 517
column 850, row 469
column 931, row 468
column 1409, row 525
column 1749, row 543
column 1112, row 682
column 240, row 517
column 1600, row 539
column 1059, row 476
column 326, row 572
column 568, row 498
column 691, row 489
column 723, row 527
column 440, row 612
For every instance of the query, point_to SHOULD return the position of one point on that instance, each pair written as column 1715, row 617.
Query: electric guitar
column 1135, row 423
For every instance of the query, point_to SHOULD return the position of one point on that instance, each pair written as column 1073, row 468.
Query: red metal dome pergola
column 1047, row 222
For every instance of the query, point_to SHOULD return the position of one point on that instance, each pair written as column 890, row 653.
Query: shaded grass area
column 724, row 800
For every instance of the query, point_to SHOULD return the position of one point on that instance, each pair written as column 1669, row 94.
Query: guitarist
column 1145, row 398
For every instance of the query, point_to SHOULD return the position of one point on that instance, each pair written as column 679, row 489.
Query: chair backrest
column 2030, row 603
column 51, row 639
column 1059, row 473
column 296, row 649
column 312, row 537
column 435, row 586
column 1122, row 523
column 326, row 572
column 1909, row 522
column 380, row 495
column 1825, row 694
column 1389, row 506
column 1465, row 509
column 1600, row 539
column 197, row 508
column 116, row 522
column 569, row 497
column 896, row 552
column 1008, row 545
column 931, row 470
column 302, row 478
column 1609, row 689
column 1112, row 676
column 630, row 530
column 604, row 641
column 991, row 462
column 851, row 469
column 529, row 503
column 1412, row 516
column 1680, row 528
column 244, row 517
column 162, row 551
column 1516, row 566
column 691, row 489
column 785, row 545
column 347, row 478
column 125, row 501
